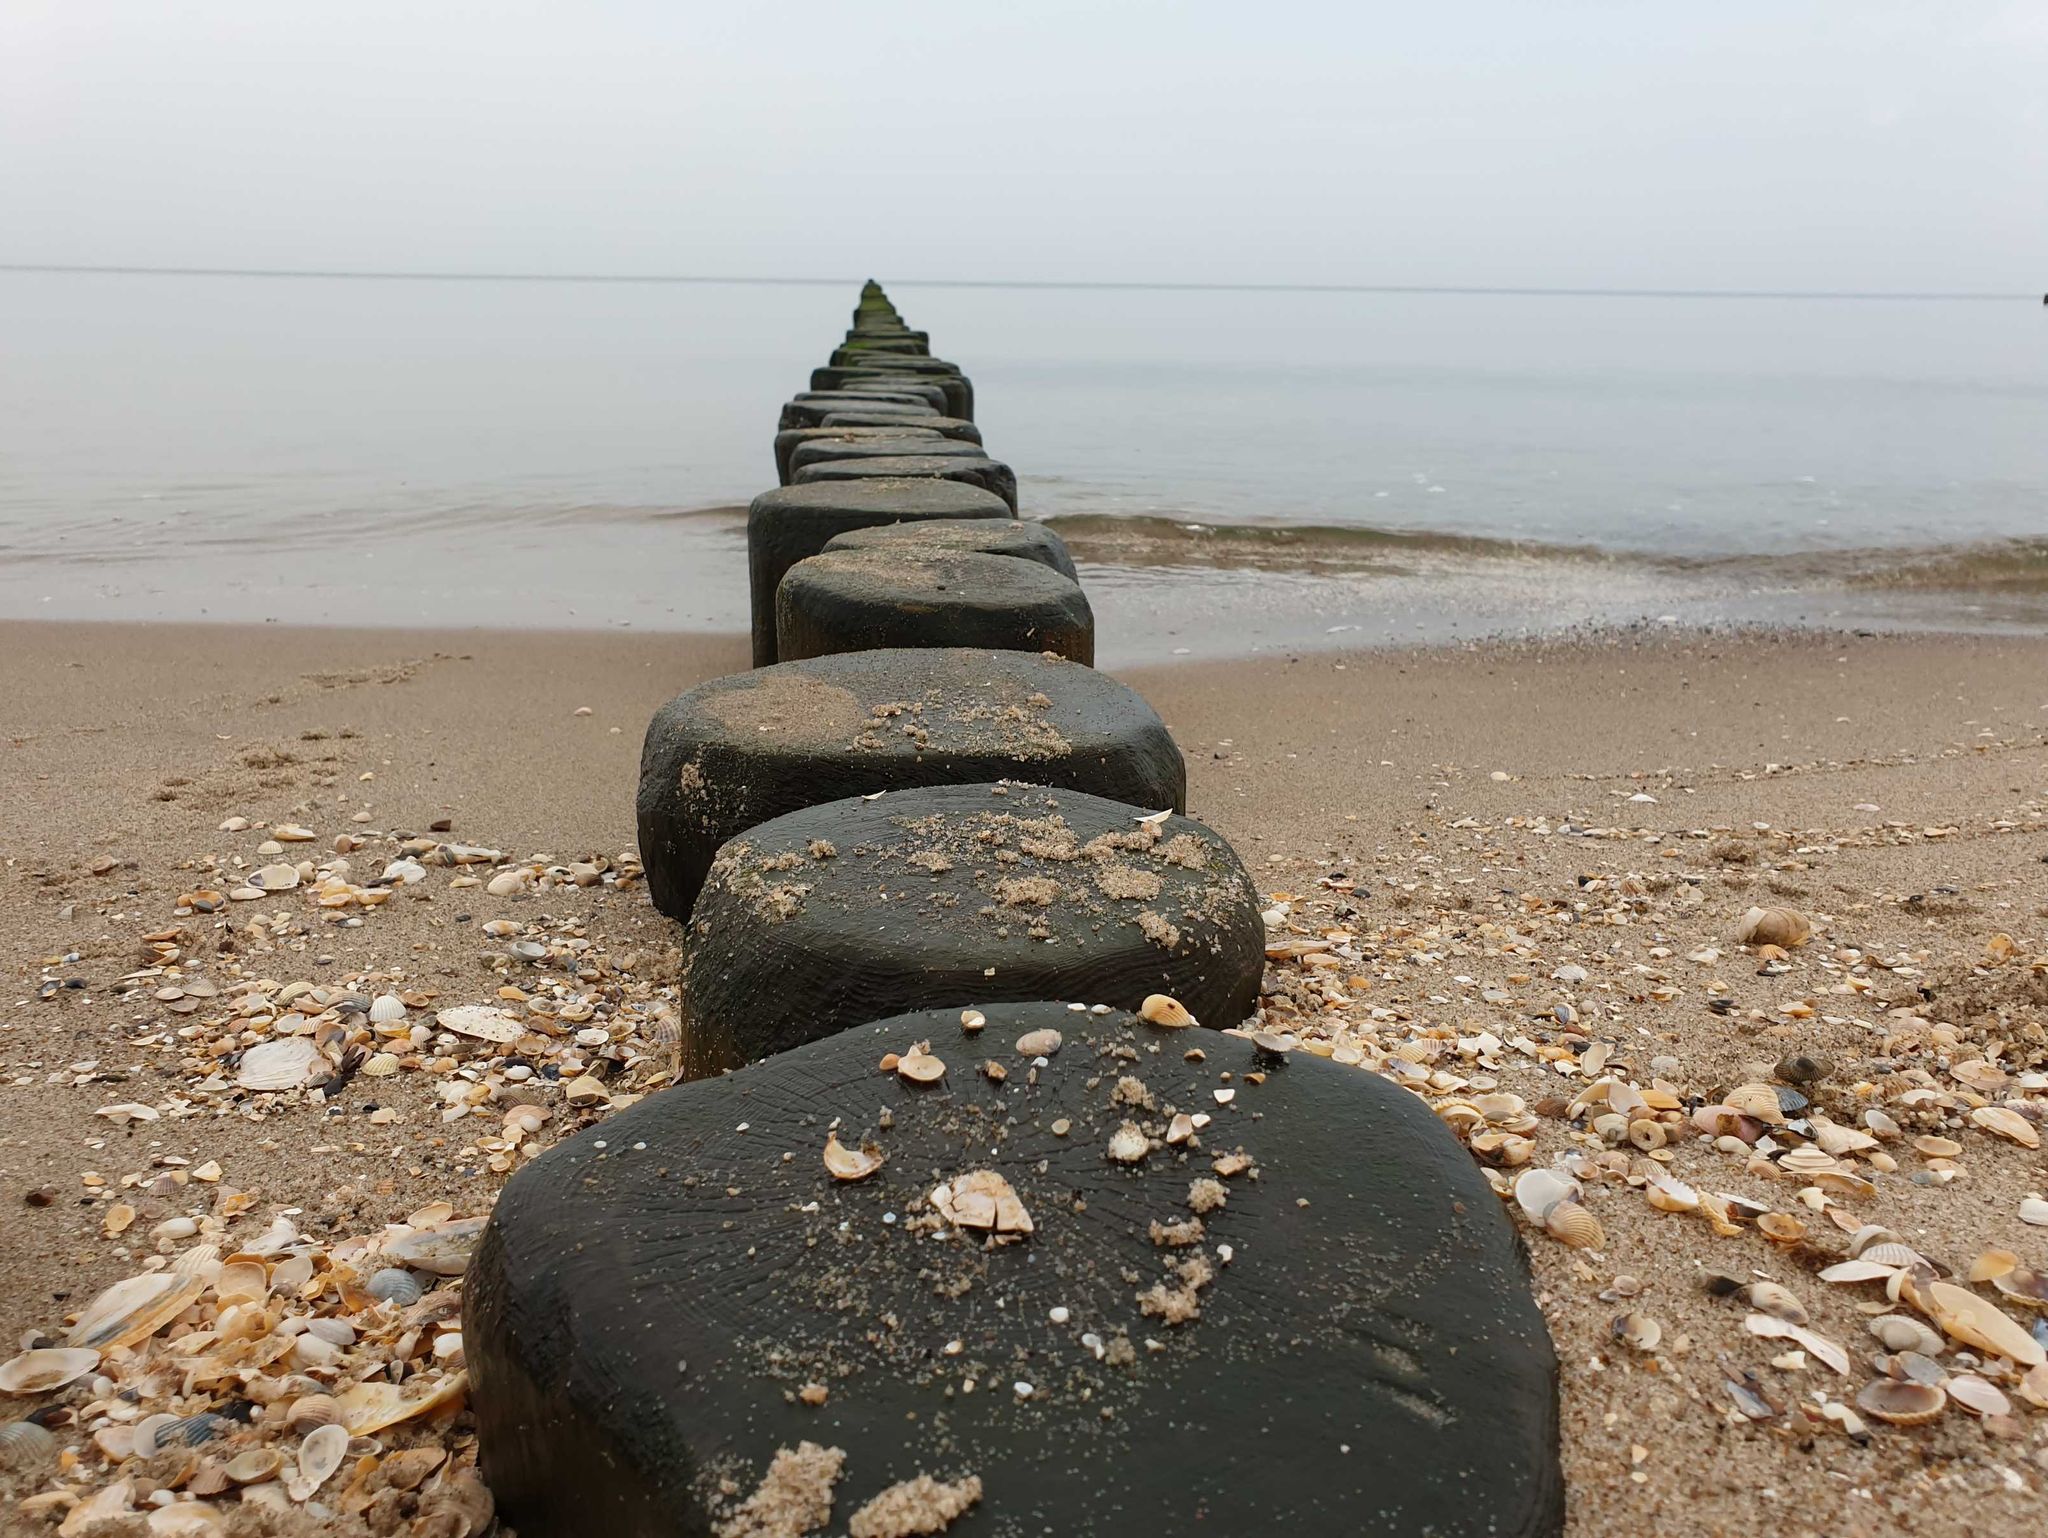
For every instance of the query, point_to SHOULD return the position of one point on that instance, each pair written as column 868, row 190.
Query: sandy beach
column 1454, row 842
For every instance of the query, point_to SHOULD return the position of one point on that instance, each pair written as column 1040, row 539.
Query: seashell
column 920, row 1067
column 1882, row 1126
column 1759, row 1101
column 1127, row 1145
column 2033, row 1387
column 1834, row 1139
column 850, row 1163
column 1802, row 1068
column 1976, row 1395
column 442, row 1249
column 275, row 878
column 1913, row 1367
column 2034, row 1211
column 1991, row 1264
column 253, row 1466
column 1646, row 1134
column 1039, row 1043
column 188, row 1431
column 981, row 1199
column 23, row 1443
column 39, row 1371
column 1902, row 1332
column 286, row 1063
column 1858, row 1271
column 1501, row 1107
column 391, row 1285
column 1669, row 1195
column 1937, row 1147
column 1902, row 1404
column 2007, row 1124
column 972, row 1020
column 309, row 1412
column 134, row 1310
column 408, row 1470
column 1891, row 1253
column 1976, row 1321
column 1162, row 1009
column 1506, row 1149
column 1271, row 1043
column 1638, row 1330
column 386, row 1008
column 483, row 1022
column 1539, row 1190
column 320, row 1454
column 1819, row 1346
column 369, row 1407
column 1774, row 1300
column 242, row 1281
column 2025, row 1286
column 1786, row 927
column 1572, row 1224
column 1781, row 1228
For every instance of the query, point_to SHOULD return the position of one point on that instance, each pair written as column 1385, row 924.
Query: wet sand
column 1469, row 822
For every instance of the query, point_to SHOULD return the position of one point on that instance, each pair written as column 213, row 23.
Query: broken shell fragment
column 920, row 1067
column 254, row 1466
column 981, row 1199
column 483, row 1022
column 442, row 1249
column 39, row 1371
column 1127, row 1145
column 1781, row 1228
column 850, row 1163
column 1785, row 927
column 370, row 1407
column 1639, row 1330
column 23, row 1443
column 1817, row 1345
column 1162, row 1009
column 1772, row 1299
column 1902, row 1404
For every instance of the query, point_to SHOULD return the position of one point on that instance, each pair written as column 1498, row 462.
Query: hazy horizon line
column 1469, row 289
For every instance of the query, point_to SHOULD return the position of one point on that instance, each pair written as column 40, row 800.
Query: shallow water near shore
column 1236, row 471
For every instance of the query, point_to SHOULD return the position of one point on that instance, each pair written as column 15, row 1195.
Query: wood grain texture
column 651, row 1295
column 862, row 600
column 961, row 894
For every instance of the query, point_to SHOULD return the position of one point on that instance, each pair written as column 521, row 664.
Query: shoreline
column 1480, row 816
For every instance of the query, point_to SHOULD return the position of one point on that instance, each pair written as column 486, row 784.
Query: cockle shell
column 23, row 1443
column 1902, row 1332
column 1163, row 1009
column 309, row 1412
column 392, row 1285
column 1572, row 1224
column 286, row 1063
column 1903, row 1404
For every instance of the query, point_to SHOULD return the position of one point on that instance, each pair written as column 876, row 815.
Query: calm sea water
column 1236, row 469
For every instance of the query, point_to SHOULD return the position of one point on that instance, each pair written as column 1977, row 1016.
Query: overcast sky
column 1745, row 143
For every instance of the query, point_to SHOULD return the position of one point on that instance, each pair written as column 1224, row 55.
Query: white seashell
column 405, row 872
column 482, row 1021
column 134, row 1309
column 320, row 1454
column 392, row 1285
column 981, row 1199
column 443, row 1249
column 39, row 1371
column 1041, row 1043
column 253, row 1466
column 385, row 1008
column 2035, row 1211
column 1786, row 927
column 1162, row 1009
column 1975, row 1394
column 1976, row 1321
column 1538, row 1190
column 287, row 1063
